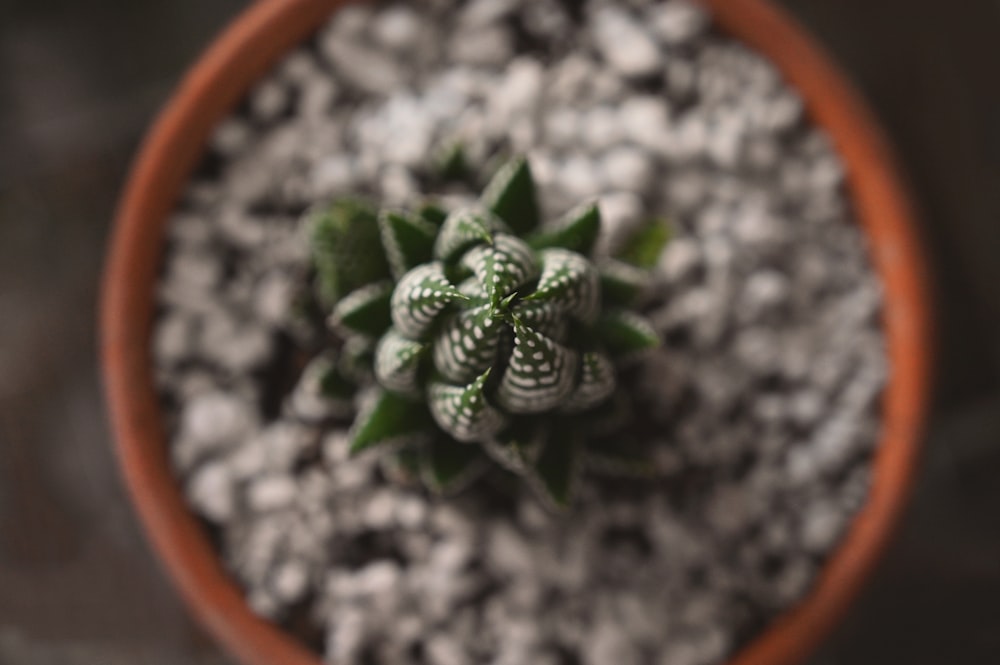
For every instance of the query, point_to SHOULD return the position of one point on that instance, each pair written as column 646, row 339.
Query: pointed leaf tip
column 577, row 230
column 463, row 411
column 511, row 195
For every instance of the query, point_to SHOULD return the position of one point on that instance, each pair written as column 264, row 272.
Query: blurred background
column 80, row 81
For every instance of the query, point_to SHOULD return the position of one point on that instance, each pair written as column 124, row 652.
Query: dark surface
column 80, row 80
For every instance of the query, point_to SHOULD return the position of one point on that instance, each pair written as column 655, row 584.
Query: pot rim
column 240, row 56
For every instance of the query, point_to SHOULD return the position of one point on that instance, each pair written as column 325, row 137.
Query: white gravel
column 764, row 396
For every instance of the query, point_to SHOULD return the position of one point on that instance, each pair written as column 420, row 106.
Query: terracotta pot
column 242, row 55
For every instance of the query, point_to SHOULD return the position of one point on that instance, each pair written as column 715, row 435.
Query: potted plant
column 244, row 361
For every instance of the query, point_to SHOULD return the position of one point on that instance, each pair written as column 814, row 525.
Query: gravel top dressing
column 764, row 395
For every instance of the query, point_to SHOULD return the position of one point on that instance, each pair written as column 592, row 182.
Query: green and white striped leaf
column 474, row 290
column 463, row 411
column 576, row 231
column 420, row 296
column 466, row 345
column 346, row 248
column 391, row 420
column 511, row 195
column 463, row 229
column 556, row 473
column 543, row 316
column 597, row 383
column 364, row 311
column 502, row 267
column 643, row 249
column 626, row 333
column 622, row 284
column 397, row 363
column 408, row 240
column 540, row 375
column 570, row 281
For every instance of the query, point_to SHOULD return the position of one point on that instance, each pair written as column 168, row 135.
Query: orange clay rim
column 241, row 56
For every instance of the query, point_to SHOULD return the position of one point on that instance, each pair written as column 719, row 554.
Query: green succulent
column 484, row 335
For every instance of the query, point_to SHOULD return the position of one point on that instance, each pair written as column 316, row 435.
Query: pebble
column 763, row 394
column 624, row 43
column 211, row 492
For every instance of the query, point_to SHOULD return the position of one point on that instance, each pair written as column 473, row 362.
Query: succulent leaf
column 421, row 295
column 577, row 230
column 511, row 195
column 408, row 240
column 447, row 466
column 622, row 284
column 433, row 213
column 463, row 411
column 544, row 316
column 397, row 363
column 556, row 472
column 541, row 373
column 466, row 345
column 597, row 383
column 644, row 247
column 503, row 266
column 571, row 281
column 516, row 448
column 463, row 229
column 391, row 420
column 626, row 333
column 364, row 311
column 346, row 248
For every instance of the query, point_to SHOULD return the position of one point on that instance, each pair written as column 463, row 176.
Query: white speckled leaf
column 419, row 297
column 397, row 363
column 463, row 412
column 466, row 345
column 463, row 229
column 540, row 375
column 597, row 383
column 570, row 281
column 502, row 267
column 545, row 317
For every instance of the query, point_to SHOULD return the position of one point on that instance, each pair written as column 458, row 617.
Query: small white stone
column 398, row 27
column 482, row 46
column 210, row 491
column 271, row 492
column 231, row 137
column 268, row 100
column 627, row 168
column 678, row 21
column 646, row 121
column 291, row 581
column 443, row 650
column 217, row 419
column 624, row 43
column 378, row 513
column 366, row 68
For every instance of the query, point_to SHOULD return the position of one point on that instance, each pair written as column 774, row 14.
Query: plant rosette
column 685, row 452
